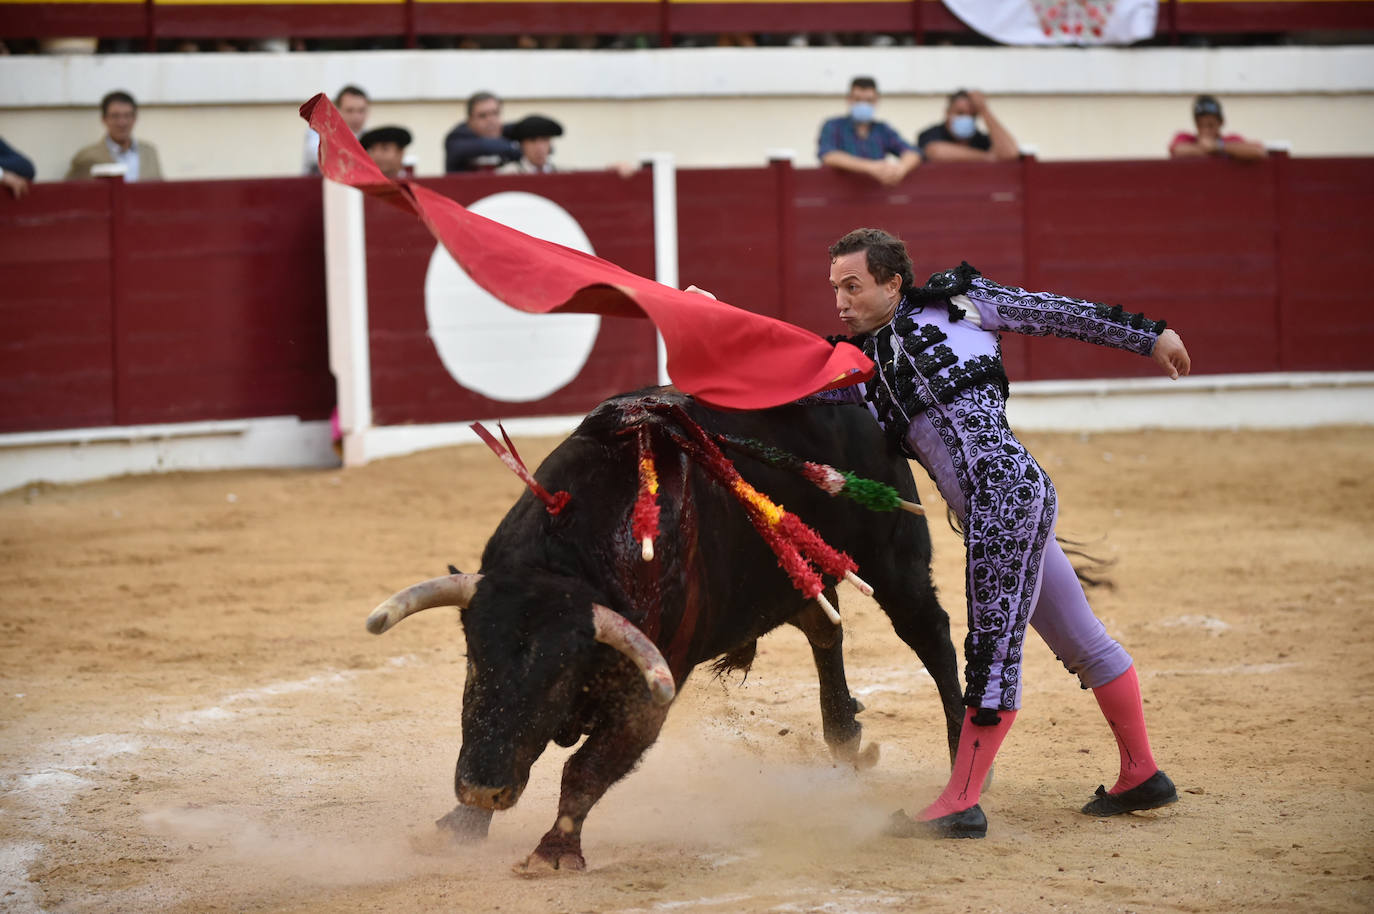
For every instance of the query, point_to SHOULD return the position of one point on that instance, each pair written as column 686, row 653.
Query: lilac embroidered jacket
column 933, row 349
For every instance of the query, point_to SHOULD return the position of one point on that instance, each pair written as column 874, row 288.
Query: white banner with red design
column 1059, row 21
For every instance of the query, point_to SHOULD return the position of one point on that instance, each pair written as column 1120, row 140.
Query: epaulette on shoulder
column 951, row 282
column 944, row 286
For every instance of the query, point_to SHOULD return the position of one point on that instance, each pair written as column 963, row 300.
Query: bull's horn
column 620, row 633
column 450, row 590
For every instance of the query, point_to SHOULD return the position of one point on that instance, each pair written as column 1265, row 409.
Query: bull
column 571, row 632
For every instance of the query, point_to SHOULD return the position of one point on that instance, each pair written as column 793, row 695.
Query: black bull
column 539, row 669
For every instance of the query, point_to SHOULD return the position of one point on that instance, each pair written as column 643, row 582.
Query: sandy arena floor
column 195, row 720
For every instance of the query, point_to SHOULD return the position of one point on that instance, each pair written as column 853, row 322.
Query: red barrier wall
column 411, row 384
column 660, row 18
column 219, row 301
column 162, row 302
column 205, row 300
column 1326, row 309
column 56, row 341
column 1193, row 242
column 1228, row 252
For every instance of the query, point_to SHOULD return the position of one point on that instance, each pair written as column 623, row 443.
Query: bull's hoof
column 559, row 849
column 850, row 754
column 536, row 864
column 465, row 824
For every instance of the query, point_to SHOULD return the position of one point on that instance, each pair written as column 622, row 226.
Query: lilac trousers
column 1017, row 575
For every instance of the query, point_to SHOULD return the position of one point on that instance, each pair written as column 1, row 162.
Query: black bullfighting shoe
column 1156, row 792
column 966, row 823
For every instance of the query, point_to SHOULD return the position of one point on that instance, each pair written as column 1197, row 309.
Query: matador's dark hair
column 886, row 255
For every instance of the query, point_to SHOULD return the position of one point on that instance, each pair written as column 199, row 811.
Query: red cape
column 721, row 354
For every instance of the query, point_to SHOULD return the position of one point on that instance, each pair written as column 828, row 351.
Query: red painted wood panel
column 410, row 383
column 273, row 20
column 919, row 17
column 1272, row 16
column 537, row 18
column 945, row 212
column 55, row 349
column 54, row 20
column 728, row 241
column 222, row 302
column 1193, row 242
column 727, row 16
column 218, row 309
column 1327, row 316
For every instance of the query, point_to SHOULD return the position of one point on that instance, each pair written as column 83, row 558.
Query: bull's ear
column 620, row 633
column 452, row 590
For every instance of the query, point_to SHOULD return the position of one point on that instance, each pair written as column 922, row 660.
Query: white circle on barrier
column 491, row 348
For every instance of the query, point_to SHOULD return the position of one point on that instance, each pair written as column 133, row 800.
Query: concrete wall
column 233, row 115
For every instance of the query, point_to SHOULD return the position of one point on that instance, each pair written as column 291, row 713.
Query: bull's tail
column 741, row 658
column 1091, row 569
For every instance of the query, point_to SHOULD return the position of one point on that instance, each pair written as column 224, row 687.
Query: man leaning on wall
column 860, row 143
column 1209, row 141
column 958, row 139
column 118, row 112
column 476, row 144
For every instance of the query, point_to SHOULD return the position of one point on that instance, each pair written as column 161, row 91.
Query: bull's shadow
column 571, row 631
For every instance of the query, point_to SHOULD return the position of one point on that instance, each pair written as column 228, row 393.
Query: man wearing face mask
column 958, row 139
column 861, row 143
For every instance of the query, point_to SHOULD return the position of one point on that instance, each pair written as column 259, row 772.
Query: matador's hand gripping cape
column 721, row 354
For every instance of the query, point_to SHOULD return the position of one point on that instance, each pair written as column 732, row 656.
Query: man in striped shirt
column 861, row 144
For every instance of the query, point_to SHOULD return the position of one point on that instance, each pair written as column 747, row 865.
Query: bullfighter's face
column 863, row 303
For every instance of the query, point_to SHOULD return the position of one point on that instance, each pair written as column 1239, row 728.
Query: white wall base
column 78, row 455
column 1278, row 400
column 1259, row 401
column 395, row 440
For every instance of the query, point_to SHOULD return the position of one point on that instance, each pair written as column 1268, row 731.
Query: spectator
column 860, row 143
column 387, row 146
column 958, row 139
column 118, row 111
column 1208, row 140
column 477, row 143
column 16, row 171
column 352, row 103
column 535, row 135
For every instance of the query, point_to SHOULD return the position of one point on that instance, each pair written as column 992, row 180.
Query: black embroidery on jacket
column 983, row 369
column 917, row 337
column 1042, row 314
column 1115, row 314
column 933, row 361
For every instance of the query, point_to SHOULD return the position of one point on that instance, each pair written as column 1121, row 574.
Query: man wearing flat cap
column 535, row 135
column 387, row 146
column 1209, row 141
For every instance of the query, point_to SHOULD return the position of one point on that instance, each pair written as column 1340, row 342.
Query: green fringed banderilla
column 873, row 495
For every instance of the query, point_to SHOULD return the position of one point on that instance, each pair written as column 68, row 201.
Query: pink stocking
column 1120, row 704
column 978, row 746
